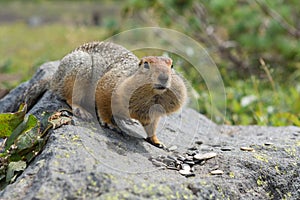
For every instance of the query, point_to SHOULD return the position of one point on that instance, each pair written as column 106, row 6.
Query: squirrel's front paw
column 154, row 141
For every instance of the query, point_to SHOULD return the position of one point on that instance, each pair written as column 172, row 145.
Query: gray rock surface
column 86, row 161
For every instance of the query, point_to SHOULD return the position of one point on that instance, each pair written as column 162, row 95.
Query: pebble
column 171, row 164
column 197, row 151
column 178, row 162
column 205, row 156
column 186, row 173
column 190, row 175
column 189, row 158
column 181, row 158
column 189, row 162
column 215, row 167
column 185, row 167
column 168, row 161
column 217, row 172
column 247, row 149
column 206, row 148
column 202, row 162
column 158, row 164
column 161, row 157
column 191, row 153
column 172, row 168
column 192, row 169
column 172, row 157
column 193, row 148
column 172, row 148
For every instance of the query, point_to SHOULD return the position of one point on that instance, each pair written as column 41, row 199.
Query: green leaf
column 289, row 117
column 24, row 127
column 14, row 167
column 10, row 121
column 30, row 135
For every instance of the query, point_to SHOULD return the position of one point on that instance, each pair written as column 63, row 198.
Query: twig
column 265, row 68
column 277, row 17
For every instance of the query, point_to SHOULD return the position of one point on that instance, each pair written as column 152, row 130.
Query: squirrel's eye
column 172, row 66
column 146, row 65
column 140, row 63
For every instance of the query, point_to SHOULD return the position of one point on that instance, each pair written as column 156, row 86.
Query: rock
column 87, row 161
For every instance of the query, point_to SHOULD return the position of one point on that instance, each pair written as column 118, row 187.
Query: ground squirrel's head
column 158, row 70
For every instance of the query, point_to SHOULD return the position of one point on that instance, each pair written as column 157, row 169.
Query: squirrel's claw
column 155, row 142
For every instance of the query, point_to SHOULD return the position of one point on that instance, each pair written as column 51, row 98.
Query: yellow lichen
column 261, row 157
column 260, row 181
column 291, row 151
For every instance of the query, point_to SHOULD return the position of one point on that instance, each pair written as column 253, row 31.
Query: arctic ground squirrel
column 110, row 79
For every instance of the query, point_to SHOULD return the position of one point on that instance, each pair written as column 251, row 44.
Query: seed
column 247, row 149
column 205, row 156
column 217, row 172
column 268, row 143
column 226, row 149
column 199, row 142
column 172, row 148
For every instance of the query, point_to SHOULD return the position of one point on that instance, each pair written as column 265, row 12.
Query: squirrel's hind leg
column 74, row 83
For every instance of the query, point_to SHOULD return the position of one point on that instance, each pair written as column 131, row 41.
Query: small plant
column 21, row 140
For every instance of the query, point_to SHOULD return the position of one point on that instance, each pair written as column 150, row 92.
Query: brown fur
column 136, row 96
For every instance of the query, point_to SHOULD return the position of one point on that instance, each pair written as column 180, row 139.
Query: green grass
column 24, row 48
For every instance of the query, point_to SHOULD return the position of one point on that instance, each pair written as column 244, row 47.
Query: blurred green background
column 255, row 44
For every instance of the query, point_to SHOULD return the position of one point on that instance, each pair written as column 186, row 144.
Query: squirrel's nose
column 163, row 78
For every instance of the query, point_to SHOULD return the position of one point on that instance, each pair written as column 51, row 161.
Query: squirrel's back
column 85, row 65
